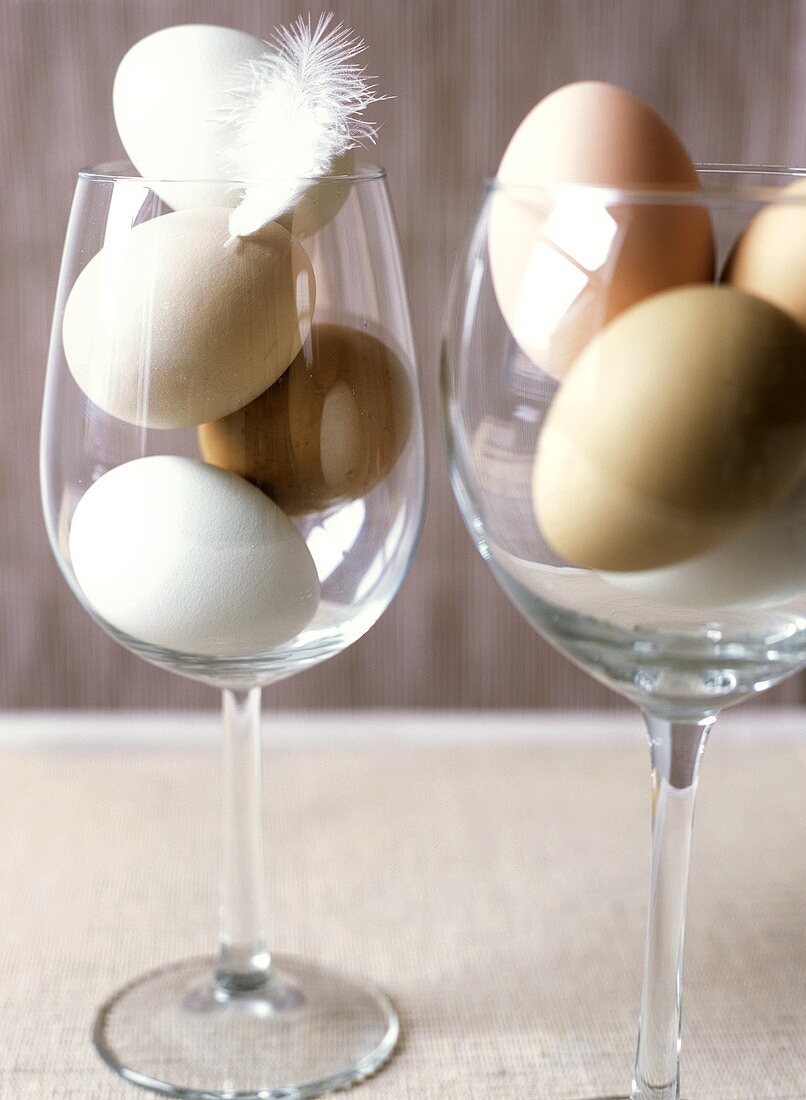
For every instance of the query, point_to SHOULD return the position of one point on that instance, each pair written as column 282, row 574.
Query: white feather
column 294, row 111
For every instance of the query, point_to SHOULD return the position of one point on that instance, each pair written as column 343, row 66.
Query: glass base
column 307, row 1032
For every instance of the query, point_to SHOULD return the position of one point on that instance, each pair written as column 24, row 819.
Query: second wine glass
column 628, row 453
column 233, row 480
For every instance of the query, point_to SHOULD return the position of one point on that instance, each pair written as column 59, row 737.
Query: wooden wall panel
column 730, row 75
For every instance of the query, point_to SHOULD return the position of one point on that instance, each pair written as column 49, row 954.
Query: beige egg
column 564, row 263
column 319, row 204
column 769, row 259
column 327, row 431
column 682, row 423
column 302, row 206
column 173, row 323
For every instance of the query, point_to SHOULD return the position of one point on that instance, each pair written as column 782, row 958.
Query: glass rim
column 712, row 189
column 123, row 171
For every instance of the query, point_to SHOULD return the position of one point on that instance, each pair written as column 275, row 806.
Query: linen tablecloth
column 495, row 890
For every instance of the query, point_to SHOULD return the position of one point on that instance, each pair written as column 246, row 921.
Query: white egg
column 192, row 558
column 170, row 99
column 764, row 566
column 173, row 97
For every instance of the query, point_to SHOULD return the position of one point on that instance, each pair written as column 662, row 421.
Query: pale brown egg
column 327, row 431
column 563, row 263
column 769, row 259
column 173, row 323
column 683, row 422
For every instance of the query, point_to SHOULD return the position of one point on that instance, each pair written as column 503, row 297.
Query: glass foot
column 309, row 1031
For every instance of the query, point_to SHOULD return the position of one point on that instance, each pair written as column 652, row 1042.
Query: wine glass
column 636, row 495
column 233, row 480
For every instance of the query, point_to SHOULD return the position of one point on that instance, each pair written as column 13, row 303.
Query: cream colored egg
column 171, row 99
column 327, row 431
column 191, row 558
column 173, row 323
column 565, row 262
column 319, row 204
column 769, row 258
column 681, row 424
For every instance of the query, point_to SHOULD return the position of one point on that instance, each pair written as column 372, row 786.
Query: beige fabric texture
column 496, row 893
column 729, row 75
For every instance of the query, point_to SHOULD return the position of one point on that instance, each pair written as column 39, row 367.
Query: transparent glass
column 684, row 601
column 233, row 480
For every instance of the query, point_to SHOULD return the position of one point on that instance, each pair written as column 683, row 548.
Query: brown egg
column 565, row 263
column 173, row 323
column 682, row 423
column 327, row 431
column 769, row 259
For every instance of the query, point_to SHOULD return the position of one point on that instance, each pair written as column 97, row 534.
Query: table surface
column 495, row 888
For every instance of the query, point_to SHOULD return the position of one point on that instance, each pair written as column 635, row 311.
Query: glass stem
column 676, row 749
column 243, row 963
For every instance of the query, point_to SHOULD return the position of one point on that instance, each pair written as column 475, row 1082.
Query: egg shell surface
column 680, row 424
column 769, row 259
column 173, row 100
column 170, row 99
column 327, row 431
column 563, row 263
column 319, row 204
column 191, row 558
column 173, row 323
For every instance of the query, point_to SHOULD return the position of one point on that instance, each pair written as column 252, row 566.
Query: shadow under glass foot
column 310, row 1031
